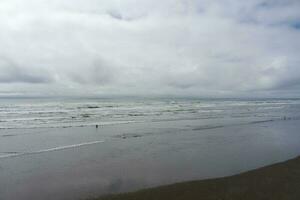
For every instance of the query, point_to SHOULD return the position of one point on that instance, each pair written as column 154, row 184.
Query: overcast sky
column 206, row 48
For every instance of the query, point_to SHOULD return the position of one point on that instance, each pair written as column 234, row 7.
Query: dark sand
column 278, row 181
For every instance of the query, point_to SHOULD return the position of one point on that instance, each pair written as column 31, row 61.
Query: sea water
column 53, row 113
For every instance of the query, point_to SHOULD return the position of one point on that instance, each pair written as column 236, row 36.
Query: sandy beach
column 279, row 181
column 84, row 162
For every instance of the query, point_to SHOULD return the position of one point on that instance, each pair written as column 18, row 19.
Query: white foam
column 17, row 154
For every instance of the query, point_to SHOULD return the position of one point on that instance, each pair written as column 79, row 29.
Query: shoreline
column 276, row 181
column 65, row 164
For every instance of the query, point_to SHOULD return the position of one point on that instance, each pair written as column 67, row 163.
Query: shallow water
column 202, row 139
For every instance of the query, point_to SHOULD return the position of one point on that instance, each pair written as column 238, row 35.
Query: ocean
column 54, row 113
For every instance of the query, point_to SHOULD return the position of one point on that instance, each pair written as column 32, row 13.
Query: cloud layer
column 150, row 47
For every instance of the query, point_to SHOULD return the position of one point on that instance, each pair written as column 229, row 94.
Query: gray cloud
column 98, row 72
column 12, row 72
column 150, row 47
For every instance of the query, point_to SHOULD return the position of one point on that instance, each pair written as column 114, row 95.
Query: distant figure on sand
column 96, row 125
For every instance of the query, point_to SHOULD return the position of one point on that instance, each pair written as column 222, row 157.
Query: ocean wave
column 73, row 113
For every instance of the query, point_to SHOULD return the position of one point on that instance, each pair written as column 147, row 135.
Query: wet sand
column 277, row 182
column 83, row 162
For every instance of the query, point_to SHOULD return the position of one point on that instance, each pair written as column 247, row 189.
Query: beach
column 127, row 99
column 82, row 162
column 278, row 181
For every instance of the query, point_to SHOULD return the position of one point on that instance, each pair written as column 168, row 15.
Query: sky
column 202, row 48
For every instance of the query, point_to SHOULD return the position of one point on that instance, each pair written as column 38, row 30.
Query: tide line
column 17, row 154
